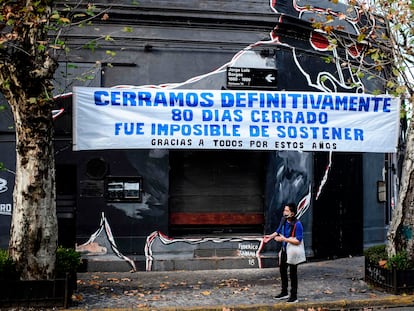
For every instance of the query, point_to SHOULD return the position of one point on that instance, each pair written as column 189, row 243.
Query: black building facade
column 212, row 203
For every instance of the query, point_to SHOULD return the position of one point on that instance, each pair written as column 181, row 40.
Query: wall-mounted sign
column 124, row 189
column 258, row 78
column 91, row 188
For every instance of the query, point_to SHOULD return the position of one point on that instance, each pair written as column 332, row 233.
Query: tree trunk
column 400, row 232
column 33, row 234
column 26, row 73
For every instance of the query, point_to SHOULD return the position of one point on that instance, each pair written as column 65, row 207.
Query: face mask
column 287, row 216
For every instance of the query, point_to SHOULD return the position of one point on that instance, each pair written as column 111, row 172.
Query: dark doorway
column 66, row 204
column 216, row 192
column 338, row 213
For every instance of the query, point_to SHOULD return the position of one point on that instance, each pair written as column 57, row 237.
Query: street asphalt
column 323, row 285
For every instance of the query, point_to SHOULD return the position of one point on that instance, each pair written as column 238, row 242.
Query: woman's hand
column 280, row 238
column 267, row 238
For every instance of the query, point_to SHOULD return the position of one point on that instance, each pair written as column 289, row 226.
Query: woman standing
column 290, row 230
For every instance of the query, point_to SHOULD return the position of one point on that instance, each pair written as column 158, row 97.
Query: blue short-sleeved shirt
column 286, row 228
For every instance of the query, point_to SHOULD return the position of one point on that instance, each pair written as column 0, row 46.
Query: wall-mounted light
column 381, row 191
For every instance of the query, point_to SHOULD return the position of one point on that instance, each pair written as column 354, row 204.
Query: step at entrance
column 206, row 253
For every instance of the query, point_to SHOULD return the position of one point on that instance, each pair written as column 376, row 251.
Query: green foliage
column 386, row 46
column 91, row 45
column 127, row 29
column 91, row 10
column 400, row 261
column 376, row 253
column 67, row 260
column 7, row 266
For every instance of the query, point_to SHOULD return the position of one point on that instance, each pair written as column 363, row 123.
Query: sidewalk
column 328, row 285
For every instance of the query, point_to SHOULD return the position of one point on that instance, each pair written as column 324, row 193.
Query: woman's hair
column 293, row 208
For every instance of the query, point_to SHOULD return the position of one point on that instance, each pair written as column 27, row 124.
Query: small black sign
column 91, row 188
column 262, row 78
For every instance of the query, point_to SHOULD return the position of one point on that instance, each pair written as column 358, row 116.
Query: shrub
column 400, row 261
column 376, row 253
column 7, row 266
column 67, row 261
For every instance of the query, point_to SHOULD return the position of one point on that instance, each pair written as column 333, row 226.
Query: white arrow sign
column 269, row 78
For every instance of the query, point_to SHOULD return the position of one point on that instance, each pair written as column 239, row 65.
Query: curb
column 343, row 305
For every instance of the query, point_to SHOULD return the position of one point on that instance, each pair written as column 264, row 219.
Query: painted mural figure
column 290, row 230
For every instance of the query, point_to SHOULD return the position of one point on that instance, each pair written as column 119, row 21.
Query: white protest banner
column 123, row 118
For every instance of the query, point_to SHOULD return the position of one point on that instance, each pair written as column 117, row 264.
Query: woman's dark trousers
column 293, row 272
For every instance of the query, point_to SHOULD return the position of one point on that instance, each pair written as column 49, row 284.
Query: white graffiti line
column 351, row 51
column 56, row 113
column 325, row 176
column 148, row 250
column 104, row 225
column 352, row 15
column 3, row 185
column 324, row 75
column 221, row 69
column 304, row 204
column 9, row 171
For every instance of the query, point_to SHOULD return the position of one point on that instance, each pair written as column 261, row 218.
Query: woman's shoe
column 281, row 296
column 292, row 299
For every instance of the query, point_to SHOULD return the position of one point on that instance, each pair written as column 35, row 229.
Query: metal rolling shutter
column 216, row 189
